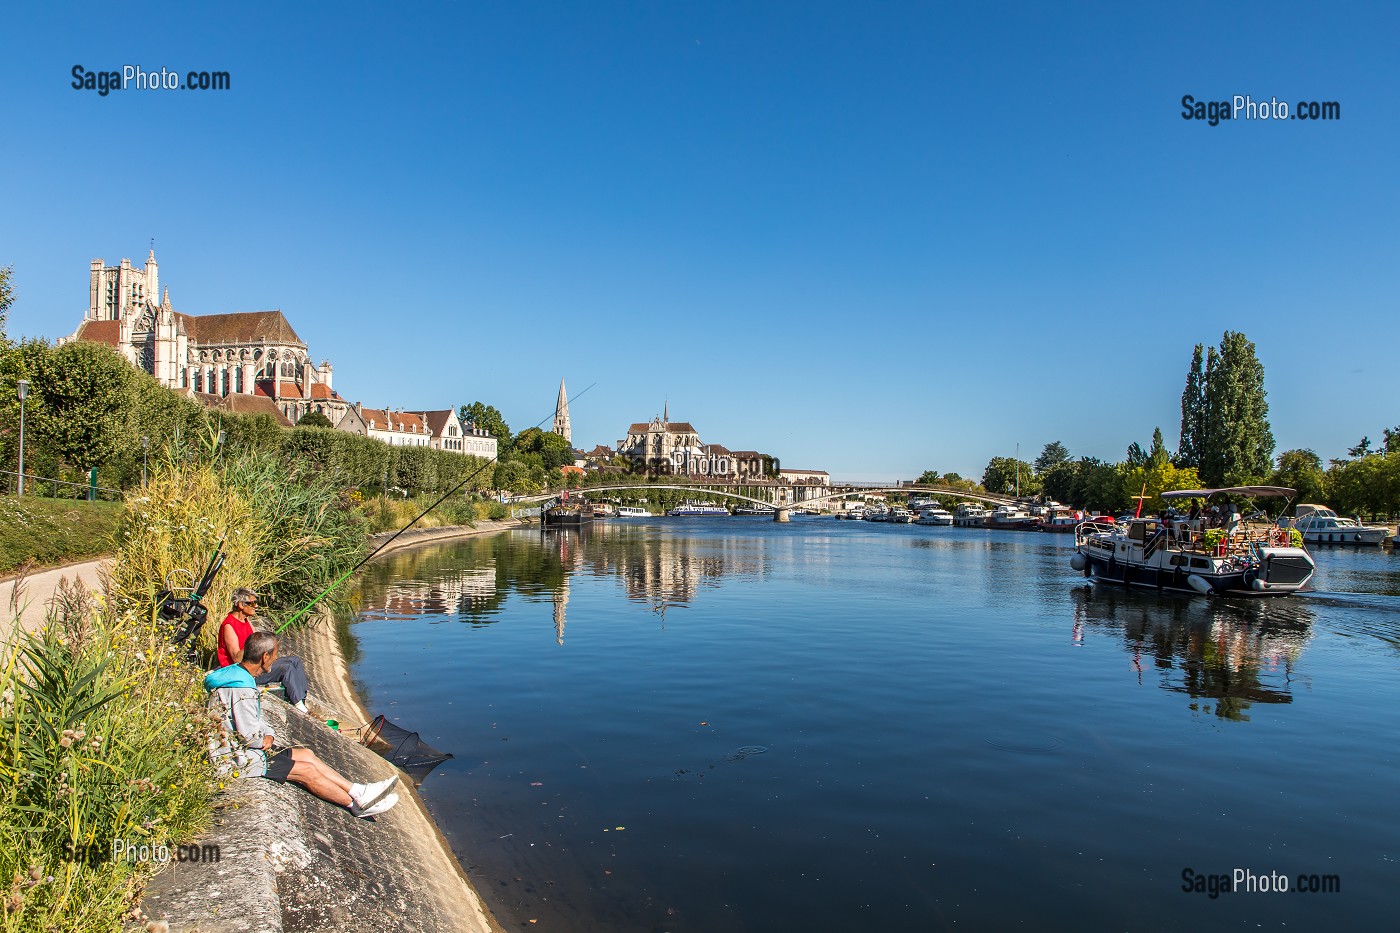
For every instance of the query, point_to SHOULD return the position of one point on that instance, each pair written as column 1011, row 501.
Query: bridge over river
column 783, row 497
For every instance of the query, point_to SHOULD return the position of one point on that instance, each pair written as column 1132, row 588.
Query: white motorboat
column 696, row 510
column 970, row 516
column 1321, row 525
column 1012, row 517
column 631, row 511
column 1254, row 560
column 934, row 515
column 900, row 515
column 880, row 514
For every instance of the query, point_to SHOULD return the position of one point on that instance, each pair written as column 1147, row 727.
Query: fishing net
column 402, row 748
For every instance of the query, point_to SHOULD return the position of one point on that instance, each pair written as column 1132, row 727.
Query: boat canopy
column 1231, row 490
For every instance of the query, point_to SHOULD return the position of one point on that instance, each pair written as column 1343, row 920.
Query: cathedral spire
column 666, row 412
column 561, row 414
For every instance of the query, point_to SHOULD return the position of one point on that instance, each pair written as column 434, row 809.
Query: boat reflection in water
column 1224, row 656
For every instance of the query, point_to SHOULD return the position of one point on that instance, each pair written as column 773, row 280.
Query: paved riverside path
column 37, row 592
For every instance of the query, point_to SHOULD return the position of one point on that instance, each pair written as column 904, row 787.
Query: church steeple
column 665, row 412
column 561, row 414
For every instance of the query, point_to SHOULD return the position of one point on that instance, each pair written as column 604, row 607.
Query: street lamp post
column 145, row 449
column 23, row 394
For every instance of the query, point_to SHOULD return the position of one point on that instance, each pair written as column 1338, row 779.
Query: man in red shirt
column 233, row 634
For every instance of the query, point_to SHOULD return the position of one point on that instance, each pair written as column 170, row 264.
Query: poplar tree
column 1193, row 408
column 1236, row 446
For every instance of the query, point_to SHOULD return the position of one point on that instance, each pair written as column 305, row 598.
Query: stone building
column 674, row 448
column 254, row 353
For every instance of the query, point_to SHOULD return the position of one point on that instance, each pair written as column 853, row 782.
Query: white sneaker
column 300, row 706
column 385, row 803
column 370, row 793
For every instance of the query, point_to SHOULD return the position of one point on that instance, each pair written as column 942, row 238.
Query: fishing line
column 366, row 559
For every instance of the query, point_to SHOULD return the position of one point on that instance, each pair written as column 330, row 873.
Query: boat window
column 1179, row 560
column 1200, row 562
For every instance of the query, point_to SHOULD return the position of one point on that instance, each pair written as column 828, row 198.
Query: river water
column 735, row 724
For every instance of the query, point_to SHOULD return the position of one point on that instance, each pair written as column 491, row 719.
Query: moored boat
column 1012, row 518
column 568, row 512
column 696, row 510
column 900, row 515
column 1254, row 560
column 1321, row 525
column 1061, row 520
column 933, row 515
column 632, row 511
column 970, row 516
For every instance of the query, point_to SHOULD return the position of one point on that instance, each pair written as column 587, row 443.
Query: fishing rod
column 441, row 499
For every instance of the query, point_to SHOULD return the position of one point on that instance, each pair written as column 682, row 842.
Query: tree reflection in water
column 1232, row 652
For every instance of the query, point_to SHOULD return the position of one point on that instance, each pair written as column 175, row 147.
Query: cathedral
column 244, row 361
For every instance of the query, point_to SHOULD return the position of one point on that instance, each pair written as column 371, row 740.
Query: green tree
column 929, row 478
column 1362, row 449
column 1158, row 454
column 1005, row 475
column 87, row 413
column 1392, row 439
column 1301, row 470
column 488, row 419
column 1051, row 456
column 1157, row 475
column 1238, row 446
column 314, row 419
column 7, row 297
column 1193, row 412
column 1058, row 482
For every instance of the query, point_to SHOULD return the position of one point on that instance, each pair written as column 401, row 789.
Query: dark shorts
column 279, row 764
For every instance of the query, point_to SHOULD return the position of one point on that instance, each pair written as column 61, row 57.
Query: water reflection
column 1232, row 654
column 660, row 571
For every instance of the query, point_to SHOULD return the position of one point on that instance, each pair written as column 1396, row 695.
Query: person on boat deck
column 1195, row 512
column 252, row 749
column 234, row 632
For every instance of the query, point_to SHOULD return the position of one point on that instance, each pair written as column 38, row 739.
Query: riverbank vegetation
column 48, row 532
column 103, row 734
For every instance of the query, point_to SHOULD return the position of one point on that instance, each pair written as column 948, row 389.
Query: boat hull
column 1284, row 571
column 558, row 518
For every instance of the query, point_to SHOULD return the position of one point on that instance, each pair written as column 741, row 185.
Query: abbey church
column 244, row 361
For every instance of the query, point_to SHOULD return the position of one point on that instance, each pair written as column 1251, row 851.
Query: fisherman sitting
column 253, row 750
column 233, row 633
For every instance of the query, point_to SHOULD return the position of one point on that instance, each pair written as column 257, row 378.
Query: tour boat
column 900, row 515
column 970, row 516
column 1254, row 560
column 1321, row 525
column 631, row 511
column 933, row 515
column 694, row 510
column 755, row 510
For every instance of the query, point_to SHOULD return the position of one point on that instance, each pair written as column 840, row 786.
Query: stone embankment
column 290, row 863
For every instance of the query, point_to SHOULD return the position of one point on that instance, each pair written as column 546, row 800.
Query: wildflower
column 35, row 873
column 65, row 741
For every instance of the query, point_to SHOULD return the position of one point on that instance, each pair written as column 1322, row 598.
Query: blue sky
column 867, row 238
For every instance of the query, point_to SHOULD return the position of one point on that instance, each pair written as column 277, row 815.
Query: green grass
column 54, row 531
